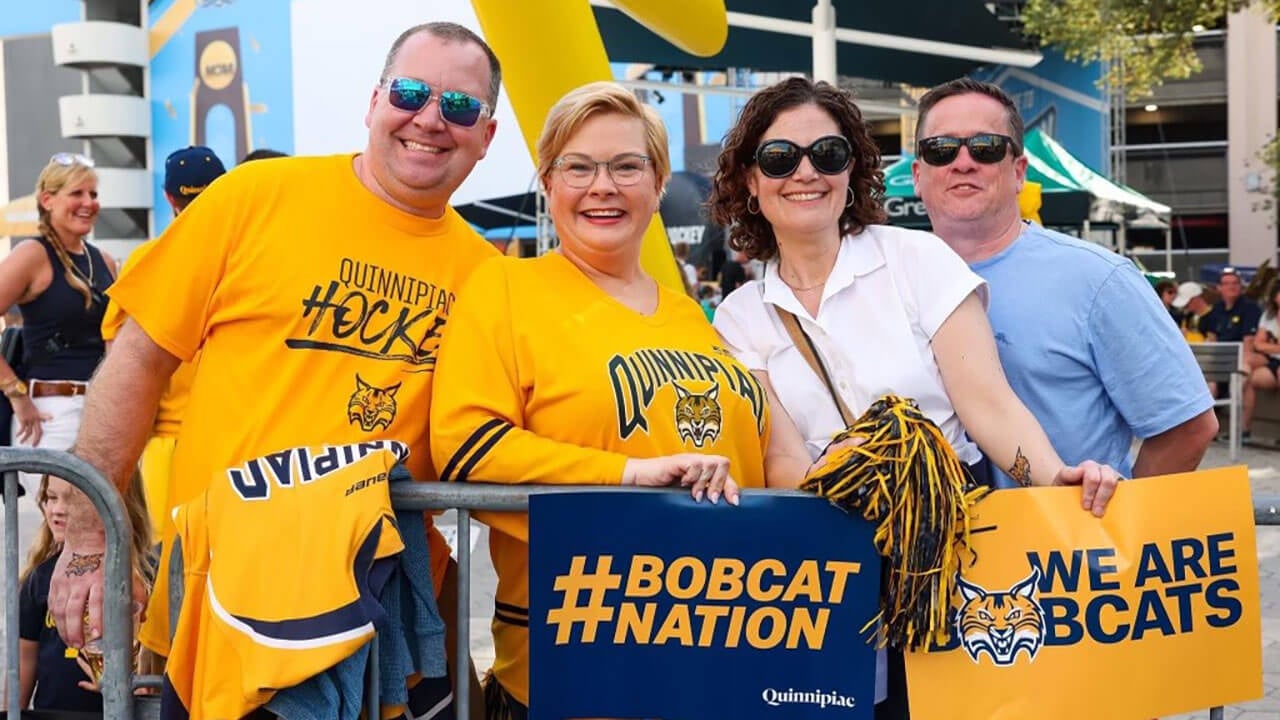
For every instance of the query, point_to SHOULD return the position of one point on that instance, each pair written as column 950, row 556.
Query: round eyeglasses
column 580, row 171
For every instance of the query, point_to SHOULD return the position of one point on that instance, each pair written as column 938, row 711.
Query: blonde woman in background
column 58, row 281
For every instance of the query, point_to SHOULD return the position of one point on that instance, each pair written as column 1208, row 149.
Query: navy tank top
column 61, row 339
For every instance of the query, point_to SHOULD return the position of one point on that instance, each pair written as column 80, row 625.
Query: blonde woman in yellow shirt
column 578, row 367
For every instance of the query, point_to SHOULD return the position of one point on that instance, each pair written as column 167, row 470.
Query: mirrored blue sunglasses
column 456, row 108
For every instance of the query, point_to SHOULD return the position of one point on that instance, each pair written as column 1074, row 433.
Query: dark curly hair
column 751, row 232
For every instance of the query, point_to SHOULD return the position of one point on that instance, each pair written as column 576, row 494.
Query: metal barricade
column 464, row 498
column 117, row 695
column 468, row 497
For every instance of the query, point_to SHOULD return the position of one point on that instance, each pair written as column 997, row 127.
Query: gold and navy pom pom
column 905, row 478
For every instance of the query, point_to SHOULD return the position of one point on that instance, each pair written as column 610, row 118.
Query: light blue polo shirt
column 1088, row 347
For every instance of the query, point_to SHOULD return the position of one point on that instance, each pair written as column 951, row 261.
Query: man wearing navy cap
column 187, row 172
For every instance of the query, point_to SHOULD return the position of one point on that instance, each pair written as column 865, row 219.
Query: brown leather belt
column 46, row 388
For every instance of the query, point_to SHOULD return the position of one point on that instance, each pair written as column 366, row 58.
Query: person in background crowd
column 687, row 270
column 50, row 677
column 187, row 173
column 58, row 281
column 734, row 272
column 47, row 678
column 887, row 310
column 524, row 395
column 262, row 154
column 709, row 298
column 709, row 255
column 1264, row 361
column 1099, row 366
column 1235, row 317
column 1168, row 292
column 283, row 367
column 1191, row 301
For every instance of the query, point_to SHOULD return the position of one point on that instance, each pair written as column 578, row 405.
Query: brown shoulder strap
column 805, row 345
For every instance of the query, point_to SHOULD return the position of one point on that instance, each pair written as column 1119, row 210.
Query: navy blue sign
column 653, row 606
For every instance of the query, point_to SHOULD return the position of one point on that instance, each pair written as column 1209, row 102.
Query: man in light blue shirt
column 1084, row 341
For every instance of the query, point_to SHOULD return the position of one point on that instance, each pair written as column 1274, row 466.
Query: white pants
column 57, row 433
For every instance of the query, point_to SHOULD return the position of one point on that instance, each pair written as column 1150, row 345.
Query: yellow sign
column 217, row 65
column 1152, row 610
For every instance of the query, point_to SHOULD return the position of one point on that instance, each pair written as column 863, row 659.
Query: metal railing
column 116, row 683
column 117, row 618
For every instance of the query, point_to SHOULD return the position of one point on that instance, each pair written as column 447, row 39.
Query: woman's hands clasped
column 706, row 474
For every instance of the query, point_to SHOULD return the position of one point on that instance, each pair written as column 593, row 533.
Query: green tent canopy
column 1070, row 191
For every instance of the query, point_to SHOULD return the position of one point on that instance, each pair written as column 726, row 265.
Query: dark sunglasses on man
column 985, row 148
column 830, row 155
column 456, row 108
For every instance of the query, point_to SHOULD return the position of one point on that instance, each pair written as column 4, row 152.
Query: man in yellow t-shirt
column 187, row 172
column 316, row 291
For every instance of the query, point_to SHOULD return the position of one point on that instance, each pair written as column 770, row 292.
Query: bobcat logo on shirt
column 371, row 407
column 697, row 415
column 638, row 378
column 1001, row 623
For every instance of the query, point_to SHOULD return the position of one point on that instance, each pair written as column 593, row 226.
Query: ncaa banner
column 648, row 605
column 1151, row 610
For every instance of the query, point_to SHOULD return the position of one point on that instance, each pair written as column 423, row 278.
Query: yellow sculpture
column 550, row 47
column 1029, row 201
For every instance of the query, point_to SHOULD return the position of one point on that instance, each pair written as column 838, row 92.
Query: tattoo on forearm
column 84, row 527
column 1021, row 469
column 83, row 564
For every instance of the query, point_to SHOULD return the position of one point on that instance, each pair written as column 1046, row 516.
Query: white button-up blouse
column 888, row 293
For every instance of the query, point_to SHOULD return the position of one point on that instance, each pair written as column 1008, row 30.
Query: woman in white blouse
column 888, row 310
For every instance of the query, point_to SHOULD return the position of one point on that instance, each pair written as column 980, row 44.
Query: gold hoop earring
column 749, row 210
column 852, row 199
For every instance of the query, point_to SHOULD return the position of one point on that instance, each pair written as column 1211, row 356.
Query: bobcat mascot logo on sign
column 1001, row 623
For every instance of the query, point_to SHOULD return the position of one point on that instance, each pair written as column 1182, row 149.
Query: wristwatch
column 15, row 388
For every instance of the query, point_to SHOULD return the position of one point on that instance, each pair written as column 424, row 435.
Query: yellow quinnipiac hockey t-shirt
column 317, row 310
column 554, row 381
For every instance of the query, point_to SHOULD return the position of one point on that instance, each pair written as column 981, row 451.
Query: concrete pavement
column 1264, row 474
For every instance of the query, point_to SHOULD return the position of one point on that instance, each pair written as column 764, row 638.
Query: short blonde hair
column 579, row 104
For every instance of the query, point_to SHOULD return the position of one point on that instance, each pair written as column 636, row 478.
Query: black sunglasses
column 986, row 148
column 830, row 155
column 457, row 108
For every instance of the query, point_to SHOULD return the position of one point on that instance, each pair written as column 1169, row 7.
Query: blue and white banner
column 651, row 605
column 1062, row 98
